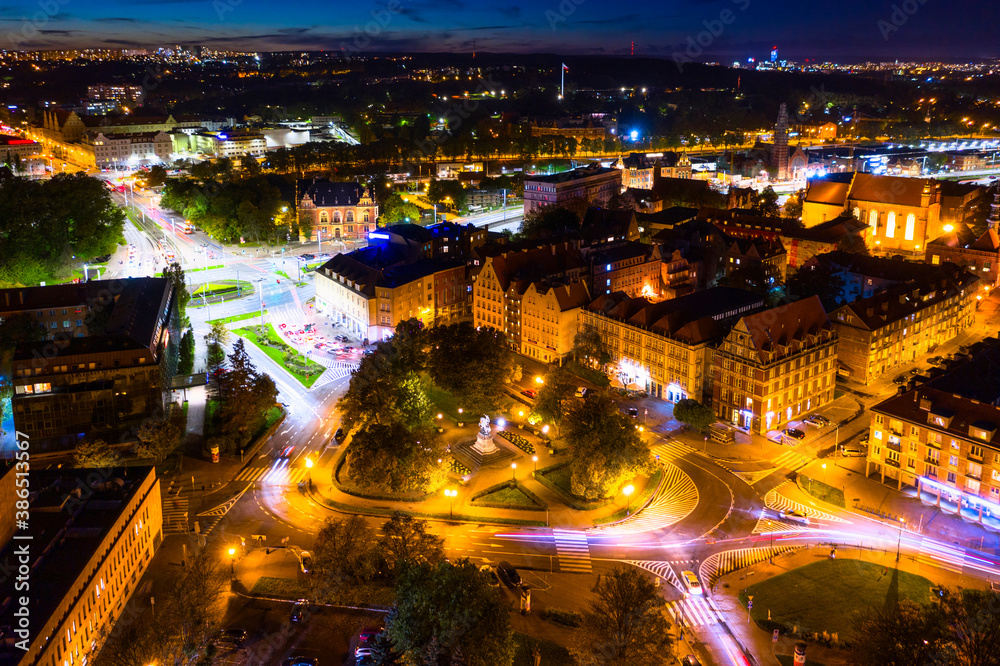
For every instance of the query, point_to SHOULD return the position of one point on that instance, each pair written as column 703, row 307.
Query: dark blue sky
column 835, row 29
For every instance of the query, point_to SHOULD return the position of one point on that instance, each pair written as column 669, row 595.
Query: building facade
column 548, row 316
column 594, row 184
column 129, row 150
column 117, row 342
column 631, row 267
column 775, row 366
column 666, row 348
column 336, row 210
column 976, row 255
column 880, row 333
column 94, row 533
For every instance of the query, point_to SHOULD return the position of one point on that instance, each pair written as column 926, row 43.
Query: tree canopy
column 474, row 364
column 396, row 458
column 694, row 414
column 606, row 447
column 554, row 395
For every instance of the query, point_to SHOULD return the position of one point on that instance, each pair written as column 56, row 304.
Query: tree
column 386, row 389
column 766, row 204
column 158, row 438
column 607, row 450
column 474, row 364
column 247, row 395
column 186, row 364
column 194, row 600
column 971, row 621
column 817, row 280
column 894, row 635
column 855, row 244
column 175, row 274
column 216, row 339
column 250, row 166
column 396, row 211
column 156, row 176
column 453, row 610
column 384, row 651
column 694, row 414
column 93, row 452
column 755, row 276
column 406, row 541
column 557, row 390
column 588, row 349
column 344, row 552
column 549, row 220
column 793, row 206
column 626, row 624
column 391, row 457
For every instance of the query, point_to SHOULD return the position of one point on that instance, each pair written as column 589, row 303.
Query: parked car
column 815, row 420
column 794, row 433
column 915, row 371
column 529, row 393
column 231, row 638
column 633, row 412
column 794, row 516
column 935, row 360
column 691, row 582
column 339, row 435
column 508, row 574
column 853, row 450
column 300, row 661
column 899, row 379
column 581, row 391
column 300, row 610
column 690, row 660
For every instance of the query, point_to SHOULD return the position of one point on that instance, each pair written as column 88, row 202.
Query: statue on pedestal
column 484, row 440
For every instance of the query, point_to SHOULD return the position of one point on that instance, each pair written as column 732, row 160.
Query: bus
column 188, row 228
column 167, row 251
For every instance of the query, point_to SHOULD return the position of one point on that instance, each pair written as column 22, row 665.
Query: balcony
column 934, row 445
column 932, row 460
column 892, row 463
column 894, row 446
column 974, row 475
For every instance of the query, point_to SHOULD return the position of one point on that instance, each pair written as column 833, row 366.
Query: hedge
column 572, row 501
column 541, row 505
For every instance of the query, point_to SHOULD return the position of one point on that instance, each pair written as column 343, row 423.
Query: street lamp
column 513, row 471
column 232, row 561
column 628, row 490
column 451, row 493
column 900, row 539
column 309, row 466
column 534, row 459
column 539, row 379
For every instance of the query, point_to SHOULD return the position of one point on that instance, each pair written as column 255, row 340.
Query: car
column 318, row 345
column 287, row 451
column 300, row 610
column 633, row 412
column 491, row 575
column 283, row 326
column 508, row 574
column 794, row 516
column 816, row 420
column 369, row 352
column 915, row 371
column 899, row 379
column 368, row 634
column 853, row 450
column 299, row 660
column 935, row 360
column 581, row 392
column 339, row 435
column 690, row 660
column 529, row 393
column 340, row 338
column 363, row 652
column 794, row 433
column 231, row 638
column 691, row 582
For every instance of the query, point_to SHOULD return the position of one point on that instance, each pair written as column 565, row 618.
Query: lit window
column 911, row 221
column 890, row 225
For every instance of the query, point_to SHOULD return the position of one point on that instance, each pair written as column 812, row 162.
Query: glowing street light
column 309, row 466
column 534, row 459
column 627, row 491
column 513, row 471
column 451, row 494
column 539, row 379
column 232, row 561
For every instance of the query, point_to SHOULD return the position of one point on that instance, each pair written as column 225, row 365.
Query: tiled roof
column 782, row 326
column 824, row 191
column 326, row 193
column 896, row 190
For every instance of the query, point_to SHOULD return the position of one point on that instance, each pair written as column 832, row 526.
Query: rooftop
column 593, row 169
column 326, row 193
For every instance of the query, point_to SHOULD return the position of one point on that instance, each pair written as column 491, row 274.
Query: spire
column 781, row 143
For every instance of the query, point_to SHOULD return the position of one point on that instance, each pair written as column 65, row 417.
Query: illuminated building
column 594, row 184
column 666, row 348
column 942, row 436
column 128, row 149
column 631, row 267
column 781, row 142
column 93, row 535
column 548, row 316
column 106, row 364
column 880, row 333
column 775, row 366
column 335, row 210
column 121, row 95
column 976, row 255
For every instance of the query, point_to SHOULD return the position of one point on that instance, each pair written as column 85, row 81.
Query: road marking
column 285, row 431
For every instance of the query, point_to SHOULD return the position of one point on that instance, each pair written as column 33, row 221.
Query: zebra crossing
column 207, row 520
column 769, row 525
column 277, row 474
column 175, row 515
column 671, row 450
column 334, row 370
column 694, row 611
column 941, row 555
column 793, row 460
column 660, row 569
column 726, row 562
column 776, row 502
column 573, row 551
column 675, row 500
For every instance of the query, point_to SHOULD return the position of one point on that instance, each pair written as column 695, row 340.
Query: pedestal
column 484, row 445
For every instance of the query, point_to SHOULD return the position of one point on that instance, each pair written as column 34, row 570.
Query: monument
column 484, row 440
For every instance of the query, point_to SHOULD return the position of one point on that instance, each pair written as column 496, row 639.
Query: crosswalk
column 334, row 370
column 777, row 502
column 573, row 551
column 671, row 450
column 675, row 500
column 279, row 473
column 175, row 515
column 694, row 611
column 769, row 526
column 941, row 555
column 720, row 564
column 792, row 460
column 663, row 570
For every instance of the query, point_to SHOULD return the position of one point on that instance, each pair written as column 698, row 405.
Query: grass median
column 235, row 318
column 266, row 339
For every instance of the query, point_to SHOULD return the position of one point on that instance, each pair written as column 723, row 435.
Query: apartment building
column 977, row 255
column 666, row 348
column 93, row 534
column 548, row 316
column 592, row 183
column 631, row 267
column 775, row 366
column 129, row 150
column 115, row 344
column 880, row 333
column 942, row 437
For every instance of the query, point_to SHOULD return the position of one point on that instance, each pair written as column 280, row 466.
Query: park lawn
column 827, row 594
column 236, row 318
column 204, row 268
column 276, row 354
column 561, row 478
column 210, row 288
column 823, row 491
column 512, row 497
column 283, row 274
column 443, row 399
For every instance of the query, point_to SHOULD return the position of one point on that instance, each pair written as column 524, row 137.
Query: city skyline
column 723, row 30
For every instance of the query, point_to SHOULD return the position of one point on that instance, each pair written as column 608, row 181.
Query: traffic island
column 508, row 495
column 297, row 365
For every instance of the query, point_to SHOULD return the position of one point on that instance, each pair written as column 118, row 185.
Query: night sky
column 844, row 30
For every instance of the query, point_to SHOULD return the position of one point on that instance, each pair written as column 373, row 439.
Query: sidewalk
column 759, row 642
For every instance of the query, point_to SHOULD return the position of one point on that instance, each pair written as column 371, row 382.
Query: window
column 890, row 225
column 873, row 221
column 911, row 221
column 976, row 452
column 951, row 478
column 953, row 461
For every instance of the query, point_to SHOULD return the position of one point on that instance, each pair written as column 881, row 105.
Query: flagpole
column 562, row 81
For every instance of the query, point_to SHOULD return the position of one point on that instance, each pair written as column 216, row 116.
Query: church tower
column 781, row 144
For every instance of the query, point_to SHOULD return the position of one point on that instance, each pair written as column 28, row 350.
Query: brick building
column 335, row 210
